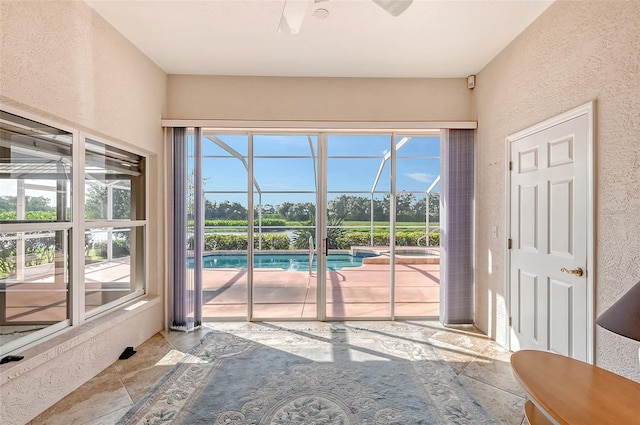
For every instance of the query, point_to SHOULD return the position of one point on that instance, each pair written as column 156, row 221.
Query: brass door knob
column 578, row 272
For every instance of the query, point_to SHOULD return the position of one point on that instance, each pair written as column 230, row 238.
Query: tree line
column 345, row 207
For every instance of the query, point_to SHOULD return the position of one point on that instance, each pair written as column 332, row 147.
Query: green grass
column 347, row 225
column 386, row 223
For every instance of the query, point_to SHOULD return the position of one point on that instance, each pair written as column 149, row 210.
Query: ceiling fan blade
column 394, row 7
column 292, row 16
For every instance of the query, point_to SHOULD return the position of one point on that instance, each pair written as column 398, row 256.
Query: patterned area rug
column 341, row 376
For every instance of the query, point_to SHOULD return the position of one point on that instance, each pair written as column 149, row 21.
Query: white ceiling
column 432, row 38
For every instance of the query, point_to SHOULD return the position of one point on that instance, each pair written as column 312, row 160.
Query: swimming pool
column 284, row 261
column 425, row 252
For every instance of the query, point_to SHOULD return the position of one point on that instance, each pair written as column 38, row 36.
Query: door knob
column 578, row 272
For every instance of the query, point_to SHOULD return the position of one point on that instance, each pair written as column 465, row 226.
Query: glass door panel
column 358, row 228
column 225, row 276
column 378, row 230
column 284, row 202
column 416, row 263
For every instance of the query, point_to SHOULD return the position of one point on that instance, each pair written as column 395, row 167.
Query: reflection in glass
column 35, row 188
column 114, row 259
column 35, row 171
column 114, row 183
column 114, row 256
column 34, row 281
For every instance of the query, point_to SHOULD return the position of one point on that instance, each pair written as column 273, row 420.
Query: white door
column 550, row 285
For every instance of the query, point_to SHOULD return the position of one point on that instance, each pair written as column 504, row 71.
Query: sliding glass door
column 416, row 265
column 316, row 225
column 284, row 226
column 225, row 279
column 358, row 227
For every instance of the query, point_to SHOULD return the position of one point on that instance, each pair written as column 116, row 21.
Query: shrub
column 434, row 238
column 30, row 215
column 266, row 222
column 278, row 241
column 350, row 239
column 120, row 248
column 409, row 238
column 334, row 232
column 217, row 242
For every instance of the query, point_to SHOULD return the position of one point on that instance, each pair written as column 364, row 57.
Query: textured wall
column 52, row 369
column 575, row 52
column 328, row 99
column 62, row 58
column 61, row 61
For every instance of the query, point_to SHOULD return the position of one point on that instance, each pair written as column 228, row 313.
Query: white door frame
column 588, row 110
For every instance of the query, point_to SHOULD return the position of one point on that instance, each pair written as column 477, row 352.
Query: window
column 40, row 212
column 114, row 224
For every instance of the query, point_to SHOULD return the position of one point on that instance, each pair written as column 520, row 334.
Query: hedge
column 266, row 222
column 119, row 248
column 30, row 215
column 350, row 239
column 278, row 241
column 217, row 242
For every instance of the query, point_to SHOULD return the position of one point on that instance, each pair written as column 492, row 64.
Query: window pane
column 224, row 145
column 114, row 259
column 274, row 145
column 114, row 183
column 34, row 281
column 114, row 256
column 35, row 171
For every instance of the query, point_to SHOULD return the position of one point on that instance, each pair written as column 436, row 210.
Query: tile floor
column 482, row 366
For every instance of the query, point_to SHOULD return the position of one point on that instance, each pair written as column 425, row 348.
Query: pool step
column 384, row 259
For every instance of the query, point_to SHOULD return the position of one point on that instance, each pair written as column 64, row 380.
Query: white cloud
column 421, row 177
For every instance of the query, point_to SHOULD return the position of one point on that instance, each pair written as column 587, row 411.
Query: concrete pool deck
column 354, row 292
column 358, row 292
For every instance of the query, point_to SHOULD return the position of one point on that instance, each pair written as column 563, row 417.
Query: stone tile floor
column 482, row 366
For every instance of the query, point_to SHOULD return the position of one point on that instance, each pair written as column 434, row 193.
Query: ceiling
column 431, row 39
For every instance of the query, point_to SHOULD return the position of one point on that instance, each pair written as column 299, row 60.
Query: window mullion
column 77, row 283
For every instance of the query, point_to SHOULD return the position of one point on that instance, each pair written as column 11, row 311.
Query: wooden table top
column 574, row 392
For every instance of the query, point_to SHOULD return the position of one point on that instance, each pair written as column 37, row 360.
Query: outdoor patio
column 357, row 292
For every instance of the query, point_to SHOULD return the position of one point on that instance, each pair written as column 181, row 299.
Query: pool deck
column 358, row 292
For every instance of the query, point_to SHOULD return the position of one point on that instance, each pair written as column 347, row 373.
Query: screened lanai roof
column 384, row 158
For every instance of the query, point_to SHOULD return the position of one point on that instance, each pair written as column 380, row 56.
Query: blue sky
column 353, row 163
column 352, row 166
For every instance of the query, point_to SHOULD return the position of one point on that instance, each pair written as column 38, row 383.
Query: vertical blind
column 186, row 302
column 456, row 223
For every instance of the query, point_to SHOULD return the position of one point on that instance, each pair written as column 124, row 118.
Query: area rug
column 340, row 376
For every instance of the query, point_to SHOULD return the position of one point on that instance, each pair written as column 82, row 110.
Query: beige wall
column 575, row 52
column 61, row 61
column 322, row 99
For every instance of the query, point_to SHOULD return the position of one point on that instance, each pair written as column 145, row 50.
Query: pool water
column 417, row 252
column 289, row 262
